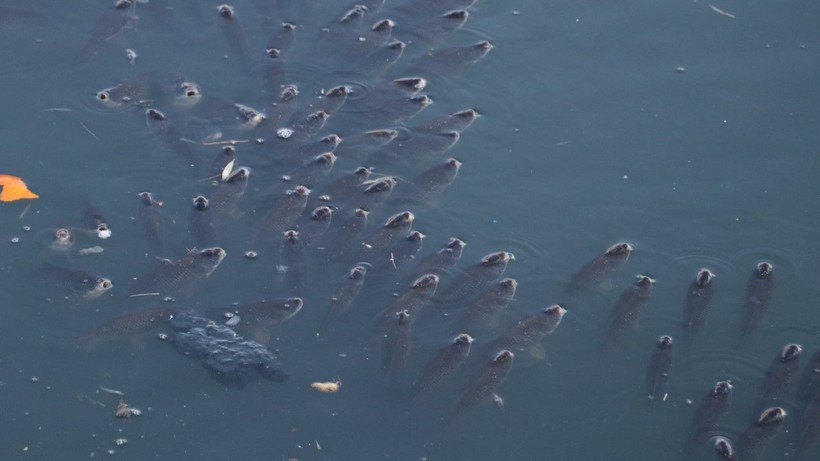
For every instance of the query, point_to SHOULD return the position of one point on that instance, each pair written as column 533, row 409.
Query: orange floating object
column 14, row 189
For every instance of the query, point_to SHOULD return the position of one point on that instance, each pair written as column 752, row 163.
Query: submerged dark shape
column 349, row 288
column 477, row 277
column 397, row 343
column 95, row 221
column 346, row 185
column 758, row 295
column 442, row 366
column 225, row 199
column 809, row 388
column 406, row 249
column 109, row 26
column 779, row 376
column 711, row 409
column 444, row 259
column 314, row 228
column 201, row 226
column 484, row 312
column 170, row 137
column 457, row 58
column 153, row 225
column 127, row 325
column 180, row 276
column 294, row 263
column 349, row 229
column 75, row 284
column 756, row 438
column 627, row 309
column 258, row 316
column 457, row 121
column 809, row 429
column 428, row 185
column 397, row 225
column 234, row 34
column 414, row 299
column 698, row 303
column 435, row 29
column 598, row 273
column 657, row 372
column 526, row 335
column 287, row 210
column 482, row 388
column 229, row 358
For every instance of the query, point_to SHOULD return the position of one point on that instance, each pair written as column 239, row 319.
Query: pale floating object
column 124, row 411
column 131, row 55
column 721, row 12
column 328, row 387
column 14, row 189
column 284, row 133
column 120, row 442
column 104, row 233
column 233, row 320
column 226, row 172
column 91, row 250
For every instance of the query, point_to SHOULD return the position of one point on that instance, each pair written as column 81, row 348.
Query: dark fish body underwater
column 153, row 224
column 225, row 199
column 698, row 303
column 347, row 184
column 414, row 298
column 443, row 364
column 397, row 342
column 180, row 276
column 809, row 427
column 660, row 364
column 484, row 313
column 393, row 229
column 347, row 292
column 258, row 315
column 446, row 258
column 406, row 249
column 457, row 121
column 225, row 156
column 344, row 240
column 294, row 263
column 75, row 284
column 95, row 221
column 598, row 273
column 779, row 376
column 757, row 297
column 201, row 226
column 286, row 211
column 809, row 387
column 128, row 325
column 527, row 334
column 109, row 27
column 710, row 411
column 483, row 386
column 432, row 182
column 477, row 277
column 627, row 309
column 169, row 136
column 316, row 225
column 752, row 444
column 234, row 34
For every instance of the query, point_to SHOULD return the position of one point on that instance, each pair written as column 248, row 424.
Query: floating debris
column 284, row 133
column 721, row 12
column 125, row 412
column 328, row 387
column 91, row 250
column 111, row 391
column 14, row 189
column 131, row 55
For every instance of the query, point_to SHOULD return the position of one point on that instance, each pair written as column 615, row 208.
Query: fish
column 375, row 64
column 455, row 59
column 809, row 428
column 753, row 442
column 260, row 315
column 373, row 193
column 477, row 277
column 405, row 250
column 527, row 334
column 283, row 107
column 484, row 312
column 95, row 221
column 311, row 150
column 441, row 367
column 59, row 241
column 712, row 408
column 234, row 34
column 332, row 100
column 457, row 121
column 724, row 448
column 75, row 284
column 422, row 147
column 435, row 29
column 413, row 299
column 627, row 309
column 483, row 386
column 360, row 146
column 758, row 295
column 779, row 376
column 698, row 303
column 444, row 259
column 391, row 102
column 598, row 273
column 347, row 184
column 225, row 199
column 221, row 161
column 153, row 224
column 128, row 325
column 201, row 226
column 397, row 343
column 809, row 386
column 109, row 26
column 294, row 263
column 248, row 117
column 431, row 183
column 397, row 225
column 346, row 292
column 277, row 51
column 349, row 229
column 657, row 372
column 169, row 136
column 314, row 170
column 313, row 229
column 287, row 210
column 311, row 124
column 182, row 275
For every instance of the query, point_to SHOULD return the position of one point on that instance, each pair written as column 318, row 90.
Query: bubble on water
column 284, row 133
column 15, row 240
column 251, row 254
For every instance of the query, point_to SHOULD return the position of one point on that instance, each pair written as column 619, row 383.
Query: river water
column 687, row 129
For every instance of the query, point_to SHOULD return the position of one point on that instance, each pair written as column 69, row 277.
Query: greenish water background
column 588, row 136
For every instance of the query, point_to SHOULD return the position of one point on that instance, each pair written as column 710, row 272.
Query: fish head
column 498, row 258
column 384, row 135
column 790, row 352
column 665, row 342
column 321, row 213
column 508, row 284
column 208, row 259
column 327, row 159
column 704, row 277
column 383, row 25
column 621, row 249
column 361, row 213
column 187, row 93
column 503, row 357
column 554, row 312
column 292, row 306
column 415, row 236
column 643, row 280
column 96, row 287
column 426, row 281
column 764, row 269
column 411, row 83
column 463, row 339
column 226, row 11
column 238, row 175
column 63, row 238
column 362, row 172
column 332, row 141
column 405, row 218
column 357, row 272
column 453, row 163
column 153, row 115
column 291, row 236
column 722, row 388
column 724, row 448
column 773, row 415
column 201, row 203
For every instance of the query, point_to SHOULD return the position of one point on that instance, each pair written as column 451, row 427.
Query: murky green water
column 686, row 132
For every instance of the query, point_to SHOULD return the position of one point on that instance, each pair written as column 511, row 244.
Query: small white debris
column 35, row 379
column 121, row 442
column 680, row 69
column 251, row 254
column 131, row 55
column 26, row 228
column 227, row 170
column 284, row 133
column 91, row 250
column 104, row 233
column 260, row 141
column 721, row 12
column 162, row 336
column 15, row 240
